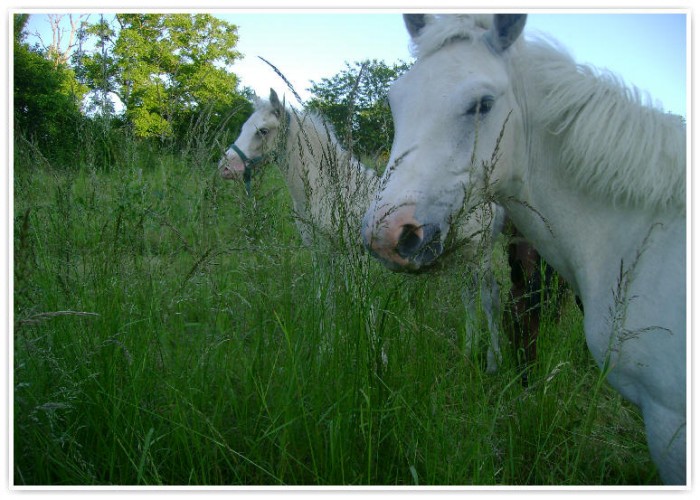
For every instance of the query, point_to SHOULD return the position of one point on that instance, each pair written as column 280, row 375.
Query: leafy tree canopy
column 46, row 98
column 163, row 67
column 355, row 102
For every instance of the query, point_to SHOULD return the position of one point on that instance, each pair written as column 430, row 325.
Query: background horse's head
column 452, row 110
column 256, row 140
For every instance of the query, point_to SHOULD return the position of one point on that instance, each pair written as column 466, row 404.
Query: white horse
column 591, row 176
column 330, row 190
column 327, row 185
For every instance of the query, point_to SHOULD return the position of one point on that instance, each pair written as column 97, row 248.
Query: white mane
column 613, row 143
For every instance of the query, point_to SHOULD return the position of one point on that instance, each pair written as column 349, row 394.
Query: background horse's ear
column 277, row 106
column 414, row 23
column 505, row 30
column 274, row 100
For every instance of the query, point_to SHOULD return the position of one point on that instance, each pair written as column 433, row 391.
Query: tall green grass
column 170, row 330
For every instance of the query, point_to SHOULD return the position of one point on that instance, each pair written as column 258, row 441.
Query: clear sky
column 648, row 50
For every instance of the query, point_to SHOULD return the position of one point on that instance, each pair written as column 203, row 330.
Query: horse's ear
column 505, row 30
column 277, row 106
column 274, row 100
column 414, row 23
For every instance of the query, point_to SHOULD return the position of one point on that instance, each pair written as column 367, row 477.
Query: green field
column 170, row 330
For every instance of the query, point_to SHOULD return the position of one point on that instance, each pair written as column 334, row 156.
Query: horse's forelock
column 263, row 105
column 442, row 29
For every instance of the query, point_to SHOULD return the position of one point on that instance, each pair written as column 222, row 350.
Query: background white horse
column 330, row 191
column 329, row 187
column 591, row 176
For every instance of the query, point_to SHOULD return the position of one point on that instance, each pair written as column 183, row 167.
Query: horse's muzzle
column 399, row 241
column 231, row 166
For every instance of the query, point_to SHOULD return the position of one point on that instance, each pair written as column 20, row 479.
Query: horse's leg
column 525, row 307
column 481, row 295
column 482, row 290
column 490, row 292
column 491, row 303
column 471, row 321
column 534, row 283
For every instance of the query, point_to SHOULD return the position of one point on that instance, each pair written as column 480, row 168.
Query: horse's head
column 256, row 139
column 449, row 111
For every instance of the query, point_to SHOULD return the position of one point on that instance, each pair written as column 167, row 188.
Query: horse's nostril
column 410, row 240
column 420, row 245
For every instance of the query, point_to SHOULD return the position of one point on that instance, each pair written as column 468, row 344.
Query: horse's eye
column 481, row 106
column 262, row 132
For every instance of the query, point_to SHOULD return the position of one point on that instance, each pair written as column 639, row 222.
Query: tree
column 46, row 99
column 355, row 102
column 59, row 50
column 20, row 23
column 98, row 69
column 165, row 67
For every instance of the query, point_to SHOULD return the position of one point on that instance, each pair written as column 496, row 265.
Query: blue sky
column 648, row 50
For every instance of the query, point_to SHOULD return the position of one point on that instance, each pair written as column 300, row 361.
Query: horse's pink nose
column 401, row 242
column 231, row 166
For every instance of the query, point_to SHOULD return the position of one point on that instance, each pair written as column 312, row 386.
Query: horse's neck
column 316, row 165
column 581, row 235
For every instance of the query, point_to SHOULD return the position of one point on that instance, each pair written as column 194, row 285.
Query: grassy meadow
column 170, row 330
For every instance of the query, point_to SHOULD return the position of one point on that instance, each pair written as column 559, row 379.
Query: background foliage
column 46, row 99
column 355, row 102
column 151, row 79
